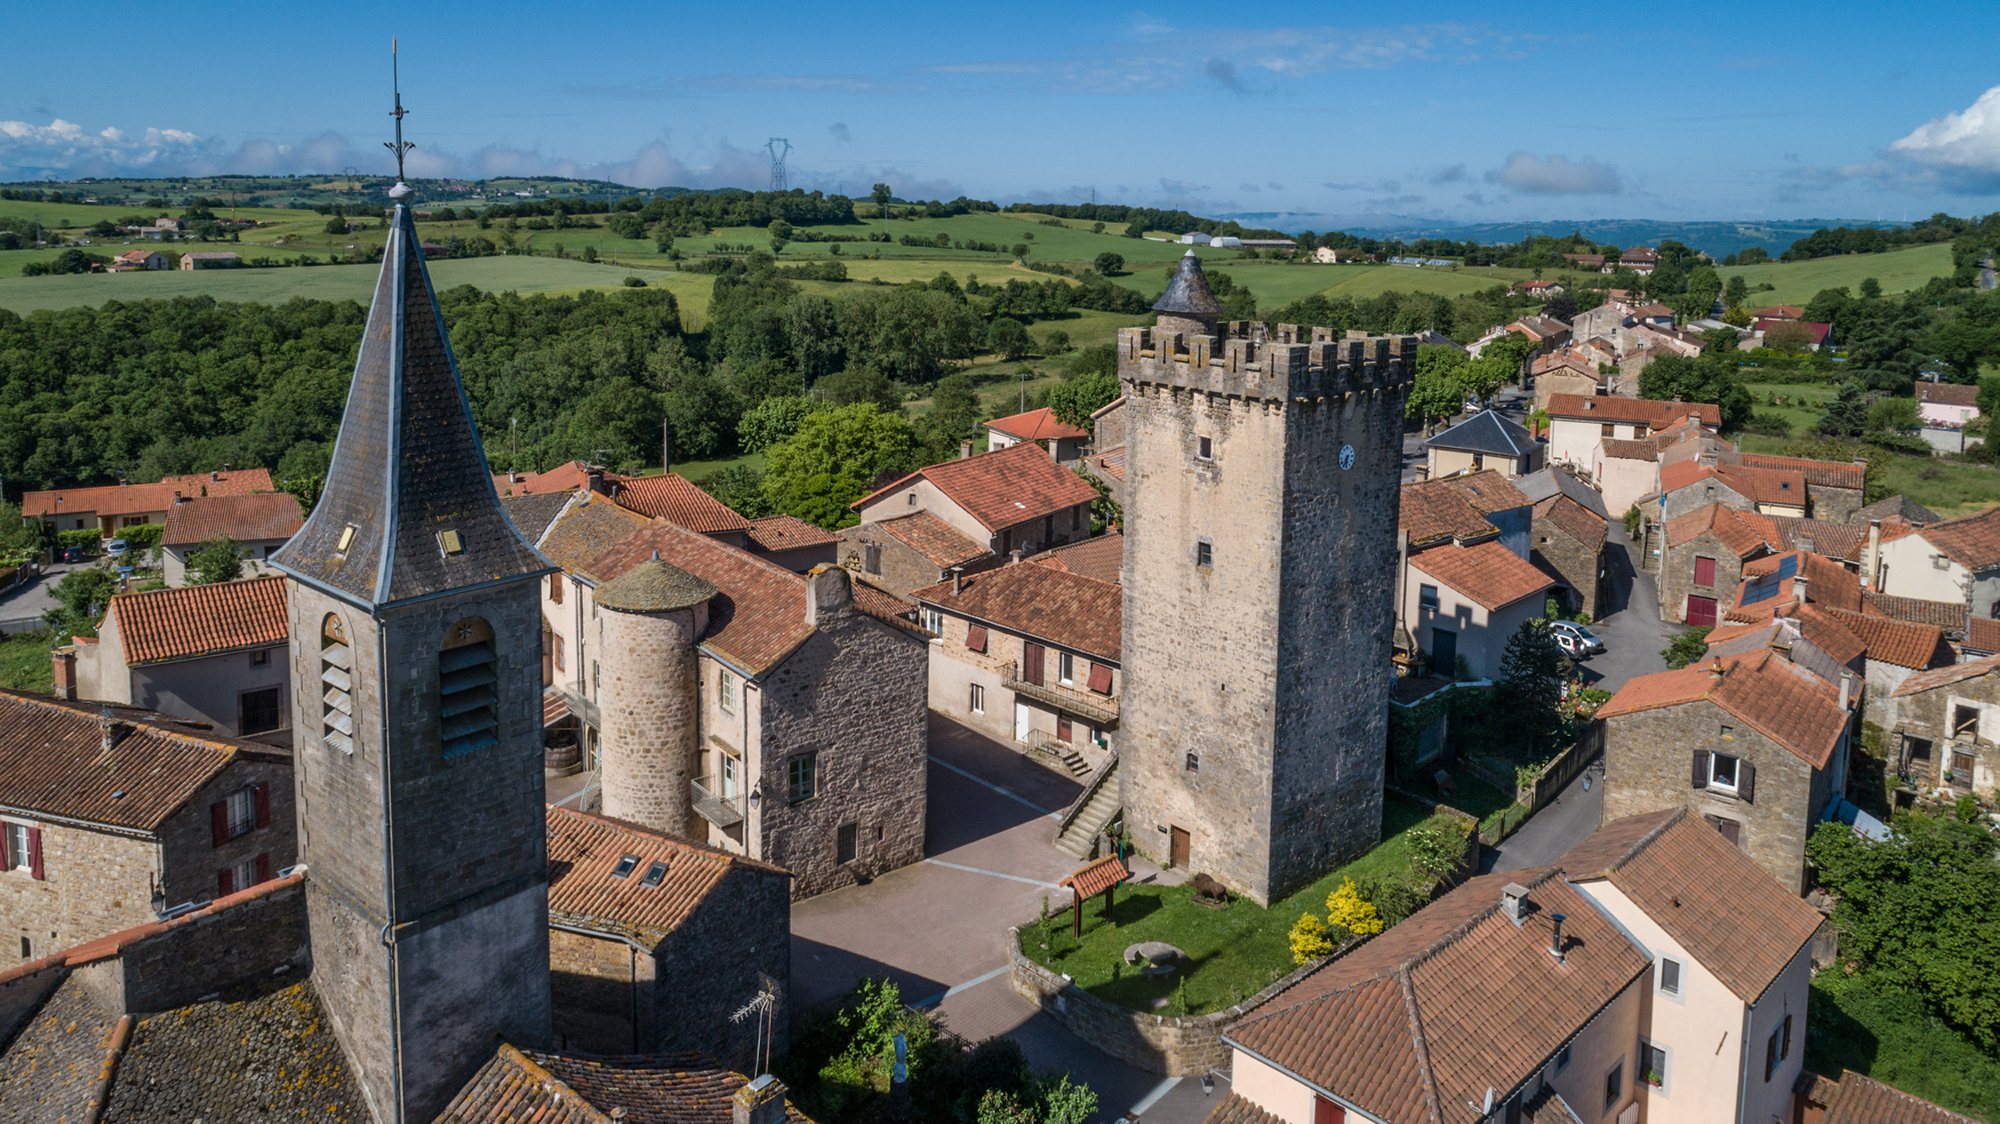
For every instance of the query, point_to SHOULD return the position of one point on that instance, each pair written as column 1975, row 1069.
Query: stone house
column 1569, row 547
column 1689, row 485
column 1948, row 722
column 213, row 653
column 793, row 543
column 1702, row 561
column 1105, row 463
column 1546, row 332
column 1957, row 560
column 111, row 815
column 1464, row 580
column 1484, row 440
column 1029, row 653
column 1834, row 489
column 1755, row 744
column 1623, row 963
column 1579, row 424
column 260, row 523
column 1879, row 652
column 654, row 941
column 777, row 716
column 107, row 508
column 1013, row 498
column 1063, row 441
column 1569, row 371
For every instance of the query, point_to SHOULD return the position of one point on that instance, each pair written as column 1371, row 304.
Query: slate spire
column 1188, row 307
column 408, row 509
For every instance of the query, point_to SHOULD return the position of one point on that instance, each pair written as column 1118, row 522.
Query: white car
column 1575, row 640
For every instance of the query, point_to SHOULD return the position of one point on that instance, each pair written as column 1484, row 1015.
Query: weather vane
column 399, row 146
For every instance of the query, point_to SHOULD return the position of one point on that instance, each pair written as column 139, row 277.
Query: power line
column 779, row 148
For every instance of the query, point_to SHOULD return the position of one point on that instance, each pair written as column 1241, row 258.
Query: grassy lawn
column 1857, row 1023
column 1946, row 486
column 1797, row 282
column 24, row 662
column 1487, row 802
column 698, row 471
column 1801, row 404
column 1232, row 953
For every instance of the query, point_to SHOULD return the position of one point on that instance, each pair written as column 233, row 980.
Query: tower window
column 1204, row 553
column 336, row 680
column 1193, row 762
column 1204, row 448
column 468, row 674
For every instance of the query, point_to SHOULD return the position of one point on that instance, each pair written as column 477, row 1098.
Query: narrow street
column 21, row 608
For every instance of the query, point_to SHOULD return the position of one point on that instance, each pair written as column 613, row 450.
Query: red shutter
column 264, row 867
column 35, row 853
column 218, row 822
column 7, row 858
column 225, row 883
column 263, row 805
column 1031, row 663
column 1704, row 571
column 975, row 637
column 1698, row 776
column 1100, row 678
column 1746, row 782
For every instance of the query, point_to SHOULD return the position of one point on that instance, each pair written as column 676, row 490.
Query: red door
column 1326, row 1112
column 1701, row 611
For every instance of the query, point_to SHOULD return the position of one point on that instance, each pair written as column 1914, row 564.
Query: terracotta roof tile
column 512, row 1088
column 53, row 760
column 1777, row 698
column 1743, row 533
column 673, row 498
column 1003, row 488
column 1946, row 676
column 200, row 620
column 583, row 851
column 1093, row 878
column 1972, row 541
column 1982, row 634
column 133, row 499
column 1949, row 616
column 1758, row 485
column 1623, row 449
column 1947, row 394
column 938, row 541
column 1692, row 882
column 1110, row 462
column 1829, row 634
column 887, row 607
column 1834, row 540
column 1237, row 1109
column 1828, row 583
column 658, row 1089
column 1915, row 646
column 1851, row 475
column 1456, row 507
column 1036, row 425
column 562, row 478
column 1486, row 572
column 1654, row 413
column 246, row 518
column 1863, row 1100
column 1043, row 602
column 1101, row 558
column 788, row 532
column 588, row 527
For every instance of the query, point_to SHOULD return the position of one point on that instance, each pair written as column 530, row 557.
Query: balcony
column 723, row 812
column 1098, row 710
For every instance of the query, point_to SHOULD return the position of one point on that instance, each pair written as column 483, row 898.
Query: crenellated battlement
column 1279, row 364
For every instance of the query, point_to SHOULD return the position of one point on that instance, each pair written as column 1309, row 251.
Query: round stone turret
column 652, row 616
column 1188, row 307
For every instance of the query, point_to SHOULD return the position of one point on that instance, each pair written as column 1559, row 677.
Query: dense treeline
column 1142, row 219
column 1833, row 241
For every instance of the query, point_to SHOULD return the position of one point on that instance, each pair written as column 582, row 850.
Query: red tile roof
column 251, row 518
column 1743, row 533
column 1857, row 1099
column 1238, row 1109
column 1834, row 540
column 137, row 499
column 1093, row 878
column 1036, row 425
column 1904, row 644
column 757, row 617
column 1972, row 541
column 1651, row 412
column 938, row 541
column 526, row 1087
column 1758, row 485
column 1947, row 615
column 584, row 849
column 1486, row 572
column 1575, row 520
column 53, row 760
column 1815, row 331
column 1779, row 699
column 1101, row 558
column 1851, row 475
column 1456, row 507
column 672, row 498
column 1946, row 676
column 1828, row 583
column 562, row 478
column 788, row 532
column 1779, row 312
column 1003, row 488
column 1042, row 602
column 1982, row 634
column 1947, row 394
column 1110, row 462
column 200, row 620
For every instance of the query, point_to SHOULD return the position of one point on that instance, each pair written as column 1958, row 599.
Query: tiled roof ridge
column 229, row 747
column 247, row 603
column 1427, row 1079
column 1539, row 876
column 629, row 827
column 1756, row 664
column 1639, row 845
column 112, row 945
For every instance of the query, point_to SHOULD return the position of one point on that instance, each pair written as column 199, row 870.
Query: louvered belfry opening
column 467, row 674
column 336, row 679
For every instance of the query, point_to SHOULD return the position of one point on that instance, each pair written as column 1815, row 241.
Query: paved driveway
column 21, row 608
column 939, row 927
column 1631, row 628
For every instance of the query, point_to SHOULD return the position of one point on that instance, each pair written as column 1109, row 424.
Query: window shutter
column 35, row 853
column 1699, row 776
column 225, row 883
column 264, row 867
column 8, row 860
column 1100, row 678
column 1746, row 782
column 263, row 805
column 218, row 822
column 975, row 637
column 1031, row 663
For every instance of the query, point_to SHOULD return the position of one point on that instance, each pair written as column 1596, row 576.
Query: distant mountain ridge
column 1717, row 238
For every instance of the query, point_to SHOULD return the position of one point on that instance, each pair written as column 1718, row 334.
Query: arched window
column 467, row 678
column 336, row 680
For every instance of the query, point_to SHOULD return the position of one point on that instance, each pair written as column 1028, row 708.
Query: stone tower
column 653, row 616
column 417, row 722
column 1260, row 568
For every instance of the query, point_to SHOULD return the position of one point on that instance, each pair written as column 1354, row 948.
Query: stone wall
column 264, row 931
column 646, row 716
column 1834, row 505
column 1576, row 565
column 93, row 883
column 707, row 968
column 899, row 569
column 189, row 856
column 1677, row 576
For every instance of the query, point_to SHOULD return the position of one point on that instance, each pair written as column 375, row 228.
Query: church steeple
column 408, row 509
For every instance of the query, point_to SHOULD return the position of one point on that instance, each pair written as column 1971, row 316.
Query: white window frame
column 1066, row 669
column 976, row 699
column 1715, row 780
column 931, row 620
column 725, row 690
column 241, row 811
column 726, row 775
column 1428, row 597
column 20, row 842
column 243, row 875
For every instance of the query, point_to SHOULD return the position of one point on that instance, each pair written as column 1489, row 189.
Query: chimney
column 1015, row 555
column 112, row 730
column 593, row 478
column 1871, row 554
column 1799, row 587
column 1846, row 687
column 965, row 448
column 762, row 1101
column 225, row 466
column 215, row 476
column 957, row 580
column 64, row 660
column 1715, row 669
column 828, row 594
column 1514, row 903
column 178, row 498
column 1556, row 936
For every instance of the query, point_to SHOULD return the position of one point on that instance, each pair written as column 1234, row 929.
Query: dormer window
column 625, row 867
column 655, row 874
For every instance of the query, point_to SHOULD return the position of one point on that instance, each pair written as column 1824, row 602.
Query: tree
column 953, row 416
column 1893, row 417
column 80, row 596
column 1871, row 289
column 1075, row 400
column 771, row 421
column 1847, row 414
column 1531, row 678
column 741, row 489
column 1703, row 379
column 1736, row 290
column 1788, row 336
column 1109, row 263
column 1008, row 338
column 220, row 559
column 1688, row 646
column 833, row 458
column 18, row 539
column 1439, row 387
column 1057, row 343
column 882, row 195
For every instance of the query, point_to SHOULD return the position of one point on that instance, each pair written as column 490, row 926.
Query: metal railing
column 722, row 811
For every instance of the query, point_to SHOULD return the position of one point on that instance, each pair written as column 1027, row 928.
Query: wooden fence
column 1562, row 769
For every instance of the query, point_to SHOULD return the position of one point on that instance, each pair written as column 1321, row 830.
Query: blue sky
column 1442, row 110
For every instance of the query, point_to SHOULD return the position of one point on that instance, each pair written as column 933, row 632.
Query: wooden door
column 1326, row 1112
column 1178, row 843
column 1701, row 611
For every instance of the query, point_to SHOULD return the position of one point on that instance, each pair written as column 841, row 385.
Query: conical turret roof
column 408, row 508
column 1188, row 293
column 653, row 586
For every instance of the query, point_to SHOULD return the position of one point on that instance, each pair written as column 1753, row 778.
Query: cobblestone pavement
column 939, row 927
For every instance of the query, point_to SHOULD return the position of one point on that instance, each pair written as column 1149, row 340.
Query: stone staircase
column 1093, row 811
column 1064, row 758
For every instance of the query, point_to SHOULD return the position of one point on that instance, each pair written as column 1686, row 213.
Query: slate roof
column 1003, row 488
column 1545, row 482
column 532, row 514
column 1101, row 557
column 938, row 541
column 51, row 1066
column 1897, row 507
column 774, row 533
column 589, row 525
column 1485, row 572
column 1188, row 294
column 53, row 761
column 583, row 851
column 1065, row 609
column 408, row 466
column 1857, row 1099
column 134, row 499
column 200, row 620
column 1691, row 882
column 653, row 586
column 1946, row 676
column 1486, row 432
column 1654, row 413
column 1770, row 694
column 248, row 518
column 1036, row 425
column 673, row 498
column 1972, row 541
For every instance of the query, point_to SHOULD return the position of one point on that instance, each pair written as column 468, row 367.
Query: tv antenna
column 779, row 148
column 764, row 1008
column 399, row 146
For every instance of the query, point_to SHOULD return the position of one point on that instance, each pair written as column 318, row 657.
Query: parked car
column 1575, row 640
column 116, row 548
column 74, row 554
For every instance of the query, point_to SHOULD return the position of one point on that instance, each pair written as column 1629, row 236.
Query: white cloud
column 1556, row 175
column 1962, row 148
column 62, row 147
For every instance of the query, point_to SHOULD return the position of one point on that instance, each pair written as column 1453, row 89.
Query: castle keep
column 1259, row 581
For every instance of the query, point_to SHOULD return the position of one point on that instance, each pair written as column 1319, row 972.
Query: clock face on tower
column 1346, row 457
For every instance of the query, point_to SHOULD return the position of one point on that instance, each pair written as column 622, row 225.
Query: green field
column 1899, row 271
column 1801, row 404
